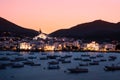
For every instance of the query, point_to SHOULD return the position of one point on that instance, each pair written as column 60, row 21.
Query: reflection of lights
column 52, row 53
column 40, row 48
column 24, row 53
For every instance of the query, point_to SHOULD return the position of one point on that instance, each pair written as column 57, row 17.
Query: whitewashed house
column 109, row 47
column 93, row 46
column 48, row 47
column 25, row 46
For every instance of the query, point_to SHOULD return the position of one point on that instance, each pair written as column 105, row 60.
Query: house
column 25, row 46
column 48, row 47
column 109, row 47
column 93, row 46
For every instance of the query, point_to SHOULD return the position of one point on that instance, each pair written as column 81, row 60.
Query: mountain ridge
column 95, row 30
column 15, row 30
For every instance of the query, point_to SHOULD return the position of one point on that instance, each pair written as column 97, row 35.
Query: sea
column 95, row 72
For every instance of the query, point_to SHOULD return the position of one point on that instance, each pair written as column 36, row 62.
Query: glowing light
column 41, row 36
column 25, row 46
column 93, row 46
column 49, row 48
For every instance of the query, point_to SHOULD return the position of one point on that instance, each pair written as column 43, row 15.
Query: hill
column 96, row 30
column 8, row 28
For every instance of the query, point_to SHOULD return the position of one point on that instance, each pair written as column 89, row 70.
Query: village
column 43, row 42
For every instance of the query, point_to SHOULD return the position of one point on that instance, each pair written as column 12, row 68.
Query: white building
column 25, row 46
column 40, row 36
column 58, row 46
column 48, row 47
column 93, row 46
column 109, row 47
column 76, row 43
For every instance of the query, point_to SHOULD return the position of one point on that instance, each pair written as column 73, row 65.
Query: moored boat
column 66, row 61
column 78, row 58
column 94, row 63
column 53, row 67
column 36, row 64
column 2, row 66
column 78, row 70
column 112, row 68
column 83, row 64
column 17, row 65
column 53, row 62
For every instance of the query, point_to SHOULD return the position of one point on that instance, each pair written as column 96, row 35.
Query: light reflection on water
column 42, row 73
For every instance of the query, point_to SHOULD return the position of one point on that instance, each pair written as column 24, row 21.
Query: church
column 40, row 36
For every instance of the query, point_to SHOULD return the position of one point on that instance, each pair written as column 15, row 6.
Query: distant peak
column 118, row 23
column 102, row 21
column 1, row 18
column 99, row 20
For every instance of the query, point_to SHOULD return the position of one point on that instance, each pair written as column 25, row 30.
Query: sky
column 51, row 15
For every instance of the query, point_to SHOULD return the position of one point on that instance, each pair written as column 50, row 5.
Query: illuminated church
column 41, row 35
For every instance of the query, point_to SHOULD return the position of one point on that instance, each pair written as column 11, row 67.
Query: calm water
column 42, row 73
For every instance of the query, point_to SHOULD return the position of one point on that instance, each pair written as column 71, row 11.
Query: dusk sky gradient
column 51, row 15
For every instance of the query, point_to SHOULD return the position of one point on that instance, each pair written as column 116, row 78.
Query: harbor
column 58, row 65
column 59, row 40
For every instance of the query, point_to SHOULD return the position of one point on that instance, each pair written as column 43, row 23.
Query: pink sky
column 50, row 15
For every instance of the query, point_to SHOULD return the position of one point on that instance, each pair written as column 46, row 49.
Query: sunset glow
column 51, row 15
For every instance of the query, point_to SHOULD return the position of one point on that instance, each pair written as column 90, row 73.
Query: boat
column 103, row 60
column 94, row 63
column 85, row 55
column 83, row 64
column 60, row 59
column 66, row 56
column 92, row 57
column 112, row 68
column 4, row 59
column 110, row 59
column 32, row 57
column 100, row 55
column 36, row 64
column 85, row 60
column 6, row 63
column 53, row 67
column 17, row 65
column 53, row 62
column 51, row 57
column 77, row 70
column 31, row 63
column 43, row 58
column 113, row 57
column 77, row 58
column 17, row 59
column 28, row 62
column 2, row 66
column 96, row 60
column 66, row 61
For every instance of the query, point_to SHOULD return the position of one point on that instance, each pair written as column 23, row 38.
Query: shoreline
column 61, row 51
